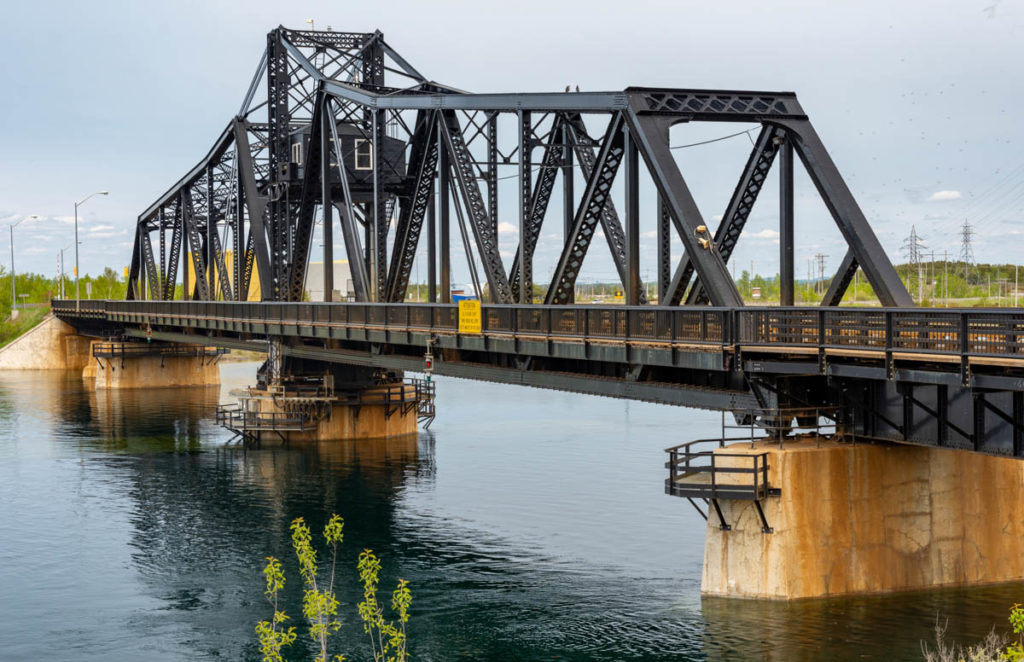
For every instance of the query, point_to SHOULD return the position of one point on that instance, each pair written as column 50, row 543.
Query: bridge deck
column 947, row 377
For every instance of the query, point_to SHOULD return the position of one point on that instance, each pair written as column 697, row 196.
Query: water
column 531, row 524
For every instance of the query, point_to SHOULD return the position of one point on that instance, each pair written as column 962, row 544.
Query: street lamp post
column 14, row 291
column 78, row 300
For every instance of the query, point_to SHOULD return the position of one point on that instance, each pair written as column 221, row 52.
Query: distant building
column 343, row 289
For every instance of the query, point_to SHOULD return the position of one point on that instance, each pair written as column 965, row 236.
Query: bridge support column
column 333, row 403
column 130, row 365
column 858, row 518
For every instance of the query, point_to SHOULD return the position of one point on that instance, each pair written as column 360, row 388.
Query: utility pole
column 966, row 250
column 819, row 286
column 945, row 274
column 912, row 246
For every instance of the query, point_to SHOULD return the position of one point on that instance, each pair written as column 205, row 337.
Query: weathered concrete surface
column 152, row 372
column 857, row 518
column 50, row 345
column 345, row 421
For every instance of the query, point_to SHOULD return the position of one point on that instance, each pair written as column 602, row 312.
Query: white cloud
column 650, row 234
column 944, row 196
column 764, row 234
column 507, row 228
column 716, row 217
column 105, row 228
column 504, row 254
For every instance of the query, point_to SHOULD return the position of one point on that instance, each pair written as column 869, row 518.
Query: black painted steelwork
column 354, row 132
column 939, row 377
column 351, row 127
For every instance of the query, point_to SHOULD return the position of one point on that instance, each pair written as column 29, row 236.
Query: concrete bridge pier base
column 865, row 518
column 307, row 402
column 129, row 365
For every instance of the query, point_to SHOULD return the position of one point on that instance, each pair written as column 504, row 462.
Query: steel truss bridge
column 352, row 137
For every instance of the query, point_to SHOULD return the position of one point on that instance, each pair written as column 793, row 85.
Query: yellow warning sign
column 470, row 316
column 126, row 273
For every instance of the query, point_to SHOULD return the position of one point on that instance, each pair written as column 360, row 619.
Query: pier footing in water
column 127, row 365
column 864, row 518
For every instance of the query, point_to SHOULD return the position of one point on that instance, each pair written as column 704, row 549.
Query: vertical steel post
column 431, row 251
column 568, row 194
column 186, row 295
column 380, row 217
column 444, row 181
column 162, row 274
column 238, row 259
column 492, row 172
column 664, row 250
column 786, row 283
column 211, row 233
column 525, row 273
column 632, row 175
column 326, row 203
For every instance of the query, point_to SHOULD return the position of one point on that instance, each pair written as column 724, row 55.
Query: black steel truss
column 256, row 194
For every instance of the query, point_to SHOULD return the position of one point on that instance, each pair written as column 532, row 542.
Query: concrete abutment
column 856, row 518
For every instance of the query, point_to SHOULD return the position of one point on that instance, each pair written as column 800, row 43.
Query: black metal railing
column 963, row 332
column 237, row 419
column 699, row 470
column 131, row 350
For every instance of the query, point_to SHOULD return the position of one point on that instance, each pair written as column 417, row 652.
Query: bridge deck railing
column 960, row 332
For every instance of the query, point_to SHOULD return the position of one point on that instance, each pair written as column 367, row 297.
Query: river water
column 531, row 524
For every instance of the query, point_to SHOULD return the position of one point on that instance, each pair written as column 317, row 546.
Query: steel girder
column 350, row 233
column 170, row 275
column 423, row 160
column 483, row 230
column 610, row 224
column 852, row 223
column 195, row 241
column 755, row 173
column 651, row 134
column 311, row 193
column 538, row 205
column 595, row 197
column 314, row 80
column 255, row 206
column 841, row 281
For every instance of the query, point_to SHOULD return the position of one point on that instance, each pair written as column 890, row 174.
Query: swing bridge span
column 338, row 131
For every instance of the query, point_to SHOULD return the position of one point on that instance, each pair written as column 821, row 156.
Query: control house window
column 297, row 153
column 364, row 154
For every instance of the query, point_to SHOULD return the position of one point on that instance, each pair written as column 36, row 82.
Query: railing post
column 965, row 348
column 714, row 486
column 889, row 342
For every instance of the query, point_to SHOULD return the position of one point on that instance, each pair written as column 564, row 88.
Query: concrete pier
column 373, row 413
column 864, row 518
column 129, row 365
column 302, row 401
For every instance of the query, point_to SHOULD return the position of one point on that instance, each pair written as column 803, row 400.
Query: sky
column 917, row 102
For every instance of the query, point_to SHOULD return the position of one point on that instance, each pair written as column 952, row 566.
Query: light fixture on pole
column 312, row 25
column 14, row 292
column 78, row 300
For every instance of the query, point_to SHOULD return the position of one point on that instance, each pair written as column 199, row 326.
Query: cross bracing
column 339, row 128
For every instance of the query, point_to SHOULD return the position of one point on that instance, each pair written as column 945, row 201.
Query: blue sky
column 918, row 102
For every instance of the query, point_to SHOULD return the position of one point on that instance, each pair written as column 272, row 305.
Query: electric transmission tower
column 966, row 250
column 913, row 249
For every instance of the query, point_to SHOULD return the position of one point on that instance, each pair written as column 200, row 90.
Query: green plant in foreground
column 1015, row 651
column 320, row 606
column 272, row 640
column 388, row 641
